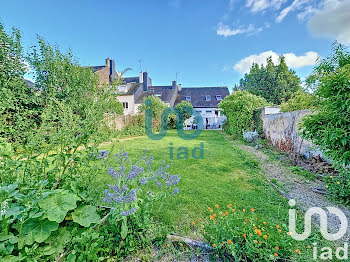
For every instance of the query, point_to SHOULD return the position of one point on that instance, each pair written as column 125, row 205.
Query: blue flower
column 176, row 191
column 103, row 154
column 129, row 212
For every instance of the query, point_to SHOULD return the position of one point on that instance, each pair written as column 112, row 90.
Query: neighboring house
column 205, row 100
column 134, row 90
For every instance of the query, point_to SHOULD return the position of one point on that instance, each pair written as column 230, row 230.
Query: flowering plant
column 137, row 186
column 241, row 235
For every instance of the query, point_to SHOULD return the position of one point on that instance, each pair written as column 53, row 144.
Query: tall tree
column 276, row 83
column 19, row 105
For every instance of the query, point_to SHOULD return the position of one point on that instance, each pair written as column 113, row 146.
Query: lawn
column 225, row 175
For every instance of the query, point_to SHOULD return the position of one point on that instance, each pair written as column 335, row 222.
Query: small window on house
column 207, row 98
column 125, row 105
column 218, row 97
column 188, row 98
column 217, row 112
column 208, row 111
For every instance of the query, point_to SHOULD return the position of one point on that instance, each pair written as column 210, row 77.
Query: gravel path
column 297, row 187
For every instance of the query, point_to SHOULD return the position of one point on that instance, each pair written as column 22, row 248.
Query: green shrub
column 300, row 100
column 239, row 108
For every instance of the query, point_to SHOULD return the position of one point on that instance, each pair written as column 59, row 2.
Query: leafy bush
column 239, row 108
column 185, row 108
column 300, row 100
column 242, row 236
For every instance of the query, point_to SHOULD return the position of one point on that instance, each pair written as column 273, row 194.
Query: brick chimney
column 173, row 86
column 179, row 87
column 107, row 62
column 145, row 81
column 112, row 72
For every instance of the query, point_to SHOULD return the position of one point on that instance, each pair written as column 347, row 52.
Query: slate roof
column 96, row 68
column 165, row 92
column 135, row 79
column 198, row 95
column 29, row 83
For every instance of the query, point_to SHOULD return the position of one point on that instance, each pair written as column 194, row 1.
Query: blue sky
column 209, row 42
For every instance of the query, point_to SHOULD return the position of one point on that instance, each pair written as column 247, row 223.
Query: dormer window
column 188, row 98
column 207, row 98
column 218, row 97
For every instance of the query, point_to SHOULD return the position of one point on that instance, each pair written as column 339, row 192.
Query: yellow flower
column 308, row 246
column 326, row 186
column 338, row 182
column 297, row 251
column 330, row 176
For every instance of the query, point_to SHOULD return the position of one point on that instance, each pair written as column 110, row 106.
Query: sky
column 203, row 42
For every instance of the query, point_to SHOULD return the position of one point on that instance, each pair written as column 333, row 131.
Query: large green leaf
column 124, row 229
column 57, row 205
column 35, row 230
column 85, row 215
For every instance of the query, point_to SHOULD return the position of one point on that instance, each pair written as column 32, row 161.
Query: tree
column 19, row 105
column 300, row 100
column 239, row 108
column 185, row 108
column 276, row 83
column 329, row 126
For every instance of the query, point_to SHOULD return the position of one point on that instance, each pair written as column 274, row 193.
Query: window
column 217, row 112
column 188, row 98
column 218, row 97
column 207, row 98
column 208, row 111
column 125, row 105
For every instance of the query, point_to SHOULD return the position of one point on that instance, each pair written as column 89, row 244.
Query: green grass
column 225, row 175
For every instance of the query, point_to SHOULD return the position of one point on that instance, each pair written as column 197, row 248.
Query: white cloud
column 225, row 30
column 306, row 13
column 293, row 61
column 261, row 5
column 297, row 4
column 332, row 21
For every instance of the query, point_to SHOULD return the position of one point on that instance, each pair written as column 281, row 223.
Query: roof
column 165, row 93
column 29, row 83
column 96, row 68
column 198, row 95
column 134, row 79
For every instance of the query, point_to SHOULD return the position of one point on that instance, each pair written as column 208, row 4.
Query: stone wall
column 282, row 131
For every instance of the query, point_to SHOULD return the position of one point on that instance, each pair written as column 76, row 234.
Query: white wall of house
column 211, row 117
column 128, row 104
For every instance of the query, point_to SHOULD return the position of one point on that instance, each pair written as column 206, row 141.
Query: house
column 134, row 90
column 205, row 100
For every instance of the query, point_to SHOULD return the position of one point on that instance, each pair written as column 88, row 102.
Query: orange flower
column 229, row 241
column 258, row 232
column 246, row 220
column 264, row 223
column 253, row 210
column 230, row 205
column 259, row 241
column 217, row 206
column 200, row 220
column 214, row 215
column 289, row 233
column 308, row 246
column 214, row 246
column 209, row 208
column 256, row 218
column 211, row 218
column 276, row 255
column 214, row 223
column 259, row 226
column 243, row 210
column 244, row 235
column 233, row 210
column 277, row 226
column 193, row 223
column 226, row 213
column 265, row 236
column 277, row 248
column 223, row 242
column 298, row 251
column 256, row 241
column 168, row 245
column 279, row 230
